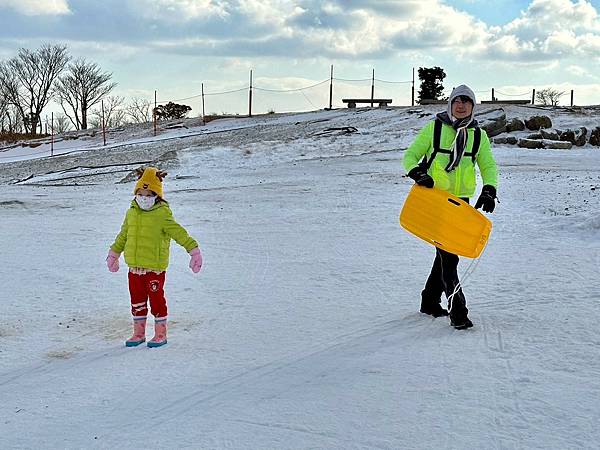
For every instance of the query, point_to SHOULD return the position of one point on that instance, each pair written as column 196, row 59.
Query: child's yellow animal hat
column 150, row 178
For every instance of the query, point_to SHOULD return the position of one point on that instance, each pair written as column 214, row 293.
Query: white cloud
column 549, row 29
column 549, row 15
column 581, row 72
column 368, row 28
column 559, row 42
column 37, row 7
column 235, row 64
column 333, row 28
column 180, row 10
column 546, row 30
column 112, row 51
column 590, row 44
column 267, row 12
column 285, row 82
column 439, row 26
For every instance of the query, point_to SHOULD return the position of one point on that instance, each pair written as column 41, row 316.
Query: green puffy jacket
column 145, row 236
column 462, row 180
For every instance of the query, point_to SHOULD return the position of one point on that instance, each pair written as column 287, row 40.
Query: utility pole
column 203, row 120
column 103, row 124
column 52, row 135
column 572, row 95
column 372, row 87
column 331, row 89
column 250, row 97
column 412, row 101
column 154, row 113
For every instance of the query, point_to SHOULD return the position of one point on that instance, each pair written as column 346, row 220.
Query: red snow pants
column 144, row 287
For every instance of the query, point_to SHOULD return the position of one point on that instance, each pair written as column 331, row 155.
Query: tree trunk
column 84, row 111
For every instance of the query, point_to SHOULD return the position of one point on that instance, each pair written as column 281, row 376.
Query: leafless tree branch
column 27, row 80
column 138, row 110
column 82, row 87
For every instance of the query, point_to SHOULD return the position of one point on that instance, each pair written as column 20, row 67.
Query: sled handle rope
column 470, row 269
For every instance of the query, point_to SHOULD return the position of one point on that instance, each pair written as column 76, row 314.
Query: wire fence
column 266, row 96
column 269, row 96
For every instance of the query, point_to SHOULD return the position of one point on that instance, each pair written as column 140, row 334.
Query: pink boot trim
column 160, row 333
column 139, row 332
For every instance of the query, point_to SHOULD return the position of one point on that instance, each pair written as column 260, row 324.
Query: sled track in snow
column 57, row 367
column 291, row 372
column 321, row 434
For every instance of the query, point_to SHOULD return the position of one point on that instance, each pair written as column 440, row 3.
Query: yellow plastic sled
column 445, row 221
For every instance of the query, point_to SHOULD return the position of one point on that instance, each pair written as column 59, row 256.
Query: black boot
column 460, row 322
column 433, row 309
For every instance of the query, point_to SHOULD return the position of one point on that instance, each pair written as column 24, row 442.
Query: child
column 145, row 237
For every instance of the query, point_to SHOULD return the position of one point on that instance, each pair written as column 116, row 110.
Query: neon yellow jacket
column 462, row 180
column 145, row 236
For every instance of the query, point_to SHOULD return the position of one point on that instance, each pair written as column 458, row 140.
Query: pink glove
column 112, row 261
column 196, row 261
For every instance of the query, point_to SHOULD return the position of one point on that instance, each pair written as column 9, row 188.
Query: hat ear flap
column 139, row 172
column 161, row 174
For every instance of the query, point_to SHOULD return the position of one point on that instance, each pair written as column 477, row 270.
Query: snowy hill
column 302, row 330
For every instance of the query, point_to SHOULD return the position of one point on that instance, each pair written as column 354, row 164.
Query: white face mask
column 145, row 202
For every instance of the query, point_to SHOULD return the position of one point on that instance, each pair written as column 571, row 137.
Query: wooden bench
column 382, row 102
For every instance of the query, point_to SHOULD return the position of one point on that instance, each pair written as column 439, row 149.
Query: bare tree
column 27, row 80
column 548, row 97
column 139, row 110
column 82, row 87
column 4, row 115
column 114, row 114
column 10, row 118
column 16, row 119
column 9, row 88
column 62, row 123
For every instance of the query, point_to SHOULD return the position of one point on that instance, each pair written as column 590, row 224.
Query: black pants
column 444, row 279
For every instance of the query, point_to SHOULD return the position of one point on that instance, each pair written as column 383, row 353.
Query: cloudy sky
column 173, row 46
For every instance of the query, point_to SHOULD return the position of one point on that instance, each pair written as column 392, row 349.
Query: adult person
column 444, row 155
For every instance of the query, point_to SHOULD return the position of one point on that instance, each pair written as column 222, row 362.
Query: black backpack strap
column 476, row 142
column 437, row 137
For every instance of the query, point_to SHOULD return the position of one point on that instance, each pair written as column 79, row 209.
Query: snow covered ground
column 302, row 330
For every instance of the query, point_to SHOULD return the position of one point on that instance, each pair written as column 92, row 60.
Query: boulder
column 534, row 123
column 510, row 140
column 535, row 136
column 555, row 144
column 568, row 135
column 581, row 136
column 530, row 143
column 515, row 124
column 551, row 134
column 575, row 137
column 493, row 121
column 595, row 137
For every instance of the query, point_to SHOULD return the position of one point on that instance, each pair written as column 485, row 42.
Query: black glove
column 421, row 177
column 486, row 199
